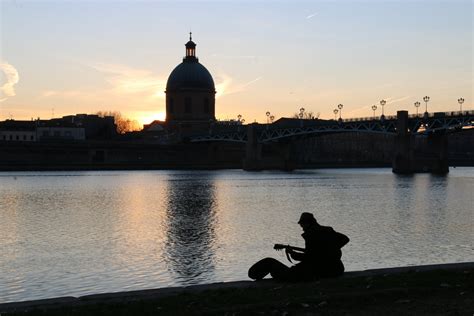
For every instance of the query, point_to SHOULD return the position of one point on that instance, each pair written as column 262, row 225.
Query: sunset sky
column 68, row 57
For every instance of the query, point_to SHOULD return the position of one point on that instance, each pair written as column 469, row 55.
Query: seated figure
column 320, row 258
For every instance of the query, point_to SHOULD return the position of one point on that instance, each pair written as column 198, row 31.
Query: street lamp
column 268, row 116
column 335, row 114
column 426, row 99
column 301, row 115
column 272, row 117
column 460, row 101
column 382, row 103
column 417, row 105
column 239, row 117
column 374, row 107
column 340, row 106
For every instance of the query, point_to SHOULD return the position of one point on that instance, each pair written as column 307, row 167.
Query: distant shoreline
column 132, row 167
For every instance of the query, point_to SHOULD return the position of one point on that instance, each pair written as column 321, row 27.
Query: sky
column 66, row 57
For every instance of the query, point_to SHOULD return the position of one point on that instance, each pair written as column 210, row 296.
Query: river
column 77, row 233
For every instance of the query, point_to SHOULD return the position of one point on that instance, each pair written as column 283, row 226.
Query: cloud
column 311, row 15
column 253, row 57
column 127, row 80
column 226, row 86
column 11, row 78
column 363, row 111
column 391, row 100
column 129, row 84
column 63, row 93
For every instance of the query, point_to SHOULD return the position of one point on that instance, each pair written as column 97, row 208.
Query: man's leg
column 269, row 265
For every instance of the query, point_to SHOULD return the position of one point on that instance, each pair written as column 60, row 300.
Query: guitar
column 287, row 249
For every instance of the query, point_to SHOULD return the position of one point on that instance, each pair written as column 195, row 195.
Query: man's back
column 323, row 250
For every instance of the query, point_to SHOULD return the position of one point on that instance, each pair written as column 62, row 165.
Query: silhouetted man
column 320, row 258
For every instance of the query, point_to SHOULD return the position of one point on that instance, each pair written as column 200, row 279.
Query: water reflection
column 190, row 236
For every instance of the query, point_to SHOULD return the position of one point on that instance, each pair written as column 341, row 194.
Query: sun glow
column 148, row 117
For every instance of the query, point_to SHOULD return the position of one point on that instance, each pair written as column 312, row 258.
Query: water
column 77, row 233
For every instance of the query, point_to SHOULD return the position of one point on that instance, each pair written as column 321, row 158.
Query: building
column 18, row 131
column 78, row 127
column 190, row 95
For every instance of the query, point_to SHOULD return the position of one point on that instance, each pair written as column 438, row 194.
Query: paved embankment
column 416, row 289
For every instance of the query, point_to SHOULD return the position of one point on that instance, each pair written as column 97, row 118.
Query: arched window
column 206, row 105
column 187, row 104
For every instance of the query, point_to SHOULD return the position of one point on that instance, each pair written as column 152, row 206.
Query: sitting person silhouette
column 320, row 258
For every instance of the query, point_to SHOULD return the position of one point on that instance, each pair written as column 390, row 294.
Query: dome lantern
column 190, row 48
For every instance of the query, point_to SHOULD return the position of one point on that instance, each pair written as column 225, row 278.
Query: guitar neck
column 281, row 246
column 296, row 248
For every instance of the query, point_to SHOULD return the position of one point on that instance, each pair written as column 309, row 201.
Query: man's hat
column 306, row 218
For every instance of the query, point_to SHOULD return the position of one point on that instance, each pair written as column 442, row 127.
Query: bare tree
column 310, row 115
column 124, row 124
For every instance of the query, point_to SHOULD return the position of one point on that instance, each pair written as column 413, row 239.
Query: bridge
column 402, row 127
column 290, row 128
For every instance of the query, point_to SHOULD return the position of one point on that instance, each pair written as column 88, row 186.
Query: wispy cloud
column 123, row 82
column 312, row 15
column 11, row 79
column 253, row 57
column 365, row 110
column 226, row 86
column 396, row 100
column 62, row 93
column 124, row 79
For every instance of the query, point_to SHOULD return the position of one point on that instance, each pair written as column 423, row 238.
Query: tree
column 124, row 124
column 310, row 115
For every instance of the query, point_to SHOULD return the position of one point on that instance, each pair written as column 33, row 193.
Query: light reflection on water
column 76, row 233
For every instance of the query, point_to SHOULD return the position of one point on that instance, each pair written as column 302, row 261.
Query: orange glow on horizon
column 148, row 117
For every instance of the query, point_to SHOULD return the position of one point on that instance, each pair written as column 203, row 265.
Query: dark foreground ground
column 422, row 290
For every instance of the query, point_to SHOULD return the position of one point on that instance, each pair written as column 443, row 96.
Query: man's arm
column 296, row 255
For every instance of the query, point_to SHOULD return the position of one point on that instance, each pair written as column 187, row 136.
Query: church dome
column 190, row 74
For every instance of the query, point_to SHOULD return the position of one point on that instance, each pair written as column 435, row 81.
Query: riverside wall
column 324, row 151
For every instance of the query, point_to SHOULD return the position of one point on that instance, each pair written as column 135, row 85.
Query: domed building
column 190, row 91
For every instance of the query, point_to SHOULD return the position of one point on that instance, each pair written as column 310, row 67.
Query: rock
column 403, row 301
column 322, row 304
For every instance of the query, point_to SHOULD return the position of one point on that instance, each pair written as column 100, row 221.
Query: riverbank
column 419, row 290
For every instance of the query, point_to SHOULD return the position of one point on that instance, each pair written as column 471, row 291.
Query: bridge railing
column 419, row 115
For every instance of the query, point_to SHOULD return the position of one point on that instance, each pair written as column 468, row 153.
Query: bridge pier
column 433, row 159
column 253, row 150
column 263, row 157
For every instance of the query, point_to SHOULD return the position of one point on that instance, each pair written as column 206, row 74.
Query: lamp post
column 426, row 99
column 417, row 105
column 268, row 116
column 374, row 107
column 340, row 106
column 239, row 117
column 301, row 115
column 335, row 113
column 272, row 117
column 382, row 103
column 460, row 101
